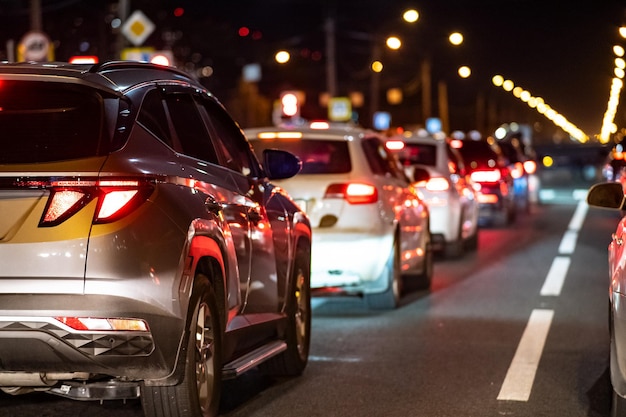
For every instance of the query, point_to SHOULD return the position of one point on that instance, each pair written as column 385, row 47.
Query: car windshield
column 46, row 122
column 318, row 156
column 418, row 153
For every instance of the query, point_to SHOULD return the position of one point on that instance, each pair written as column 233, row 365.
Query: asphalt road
column 446, row 351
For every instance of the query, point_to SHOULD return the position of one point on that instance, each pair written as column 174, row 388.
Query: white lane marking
column 568, row 243
column 556, row 276
column 334, row 359
column 521, row 374
column 580, row 194
column 579, row 216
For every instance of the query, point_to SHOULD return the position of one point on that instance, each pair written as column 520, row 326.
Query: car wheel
column 390, row 298
column 198, row 394
column 298, row 330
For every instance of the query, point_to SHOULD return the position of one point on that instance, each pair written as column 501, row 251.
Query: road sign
column 137, row 28
column 137, row 54
column 34, row 46
column 339, row 109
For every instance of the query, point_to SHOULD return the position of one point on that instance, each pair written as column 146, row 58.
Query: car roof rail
column 113, row 65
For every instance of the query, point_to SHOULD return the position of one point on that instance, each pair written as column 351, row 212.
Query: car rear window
column 479, row 154
column 317, row 156
column 46, row 122
column 418, row 153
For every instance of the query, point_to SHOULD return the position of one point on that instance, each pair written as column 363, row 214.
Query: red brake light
column 116, row 198
column 492, row 175
column 353, row 193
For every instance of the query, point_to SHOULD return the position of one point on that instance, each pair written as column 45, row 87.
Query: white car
column 439, row 174
column 370, row 228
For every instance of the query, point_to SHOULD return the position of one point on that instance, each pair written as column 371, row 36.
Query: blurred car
column 521, row 168
column 610, row 195
column 439, row 173
column 613, row 169
column 369, row 226
column 486, row 165
column 144, row 252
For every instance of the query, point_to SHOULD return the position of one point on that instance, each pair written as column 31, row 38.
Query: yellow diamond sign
column 137, row 28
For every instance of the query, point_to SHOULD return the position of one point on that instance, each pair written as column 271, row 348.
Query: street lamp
column 410, row 16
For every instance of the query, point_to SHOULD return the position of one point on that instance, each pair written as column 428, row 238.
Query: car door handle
column 212, row 205
column 618, row 240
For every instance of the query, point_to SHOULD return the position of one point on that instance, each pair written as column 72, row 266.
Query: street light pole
column 426, row 88
column 331, row 72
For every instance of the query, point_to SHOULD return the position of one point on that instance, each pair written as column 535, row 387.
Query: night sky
column 561, row 51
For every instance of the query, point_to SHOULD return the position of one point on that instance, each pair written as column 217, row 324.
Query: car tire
column 198, row 394
column 298, row 329
column 390, row 298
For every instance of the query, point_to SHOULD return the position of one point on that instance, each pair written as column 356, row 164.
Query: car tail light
column 116, row 198
column 492, row 175
column 437, row 184
column 353, row 193
column 94, row 323
column 517, row 170
column 394, row 145
column 530, row 167
column 487, row 198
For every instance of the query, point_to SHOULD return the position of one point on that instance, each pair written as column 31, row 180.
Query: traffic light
column 290, row 104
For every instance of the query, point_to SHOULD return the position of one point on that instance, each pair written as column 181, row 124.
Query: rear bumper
column 28, row 320
column 351, row 261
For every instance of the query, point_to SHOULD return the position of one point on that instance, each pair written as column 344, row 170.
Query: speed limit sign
column 34, row 46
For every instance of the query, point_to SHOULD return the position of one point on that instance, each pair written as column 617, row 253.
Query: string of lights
column 540, row 106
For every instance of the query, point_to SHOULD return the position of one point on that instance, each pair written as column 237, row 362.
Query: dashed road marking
column 521, row 374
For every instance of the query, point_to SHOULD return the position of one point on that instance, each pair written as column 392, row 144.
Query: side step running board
column 250, row 360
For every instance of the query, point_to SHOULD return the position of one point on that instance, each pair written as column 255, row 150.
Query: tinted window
column 229, row 141
column 190, row 128
column 479, row 154
column 45, row 122
column 381, row 162
column 318, row 156
column 152, row 117
column 417, row 153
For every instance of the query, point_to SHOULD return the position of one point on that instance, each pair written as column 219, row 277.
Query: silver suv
column 144, row 251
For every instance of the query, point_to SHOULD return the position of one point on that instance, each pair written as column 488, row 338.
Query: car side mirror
column 606, row 195
column 280, row 164
column 420, row 174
